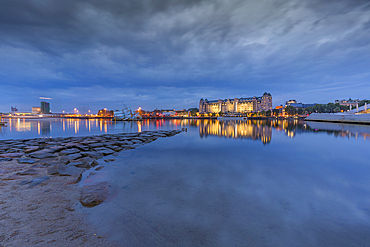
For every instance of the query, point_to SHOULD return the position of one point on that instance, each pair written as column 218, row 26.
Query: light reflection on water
column 232, row 183
column 216, row 185
column 257, row 130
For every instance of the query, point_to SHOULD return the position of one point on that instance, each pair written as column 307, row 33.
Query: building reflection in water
column 260, row 130
column 45, row 128
column 296, row 127
column 341, row 130
column 251, row 129
column 290, row 127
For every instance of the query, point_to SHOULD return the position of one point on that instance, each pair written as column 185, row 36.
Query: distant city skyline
column 170, row 54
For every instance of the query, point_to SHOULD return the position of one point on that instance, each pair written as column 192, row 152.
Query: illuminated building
column 45, row 107
column 237, row 105
column 105, row 113
column 349, row 102
column 295, row 104
column 36, row 109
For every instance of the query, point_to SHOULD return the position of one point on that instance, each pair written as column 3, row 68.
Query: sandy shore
column 44, row 215
column 40, row 193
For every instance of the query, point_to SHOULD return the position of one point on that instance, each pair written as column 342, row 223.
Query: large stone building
column 237, row 105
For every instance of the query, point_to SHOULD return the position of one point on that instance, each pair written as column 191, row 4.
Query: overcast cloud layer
column 169, row 54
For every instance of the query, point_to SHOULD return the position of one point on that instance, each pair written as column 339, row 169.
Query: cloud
column 252, row 46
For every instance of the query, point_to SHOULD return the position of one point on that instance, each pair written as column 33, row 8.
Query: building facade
column 45, row 107
column 237, row 105
column 349, row 102
column 36, row 109
column 295, row 104
column 105, row 113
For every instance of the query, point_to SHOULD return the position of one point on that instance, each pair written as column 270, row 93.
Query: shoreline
column 40, row 192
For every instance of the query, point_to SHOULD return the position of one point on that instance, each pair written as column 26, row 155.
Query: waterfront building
column 349, row 102
column 105, row 113
column 237, row 105
column 36, row 109
column 295, row 104
column 45, row 107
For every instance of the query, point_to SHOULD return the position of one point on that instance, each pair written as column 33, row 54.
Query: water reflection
column 341, row 130
column 255, row 130
column 44, row 128
column 194, row 191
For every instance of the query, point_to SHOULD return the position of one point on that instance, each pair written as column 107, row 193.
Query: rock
column 57, row 148
column 109, row 160
column 105, row 151
column 27, row 172
column 64, row 160
column 99, row 168
column 79, row 164
column 71, row 145
column 19, row 146
column 83, row 148
column 67, row 158
column 53, row 170
column 69, row 151
column 45, row 150
column 43, row 155
column 146, row 136
column 159, row 135
column 50, row 142
column 64, row 170
column 88, row 161
column 77, row 145
column 94, row 163
column 136, row 141
column 91, row 174
column 86, row 142
column 43, row 165
column 94, row 155
column 126, row 143
column 13, row 177
column 11, row 155
column 36, row 181
column 14, row 150
column 74, row 156
column 30, row 149
column 26, row 161
column 5, row 159
column 93, row 195
column 115, row 148
column 96, row 145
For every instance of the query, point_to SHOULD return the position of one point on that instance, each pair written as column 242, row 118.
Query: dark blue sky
column 169, row 54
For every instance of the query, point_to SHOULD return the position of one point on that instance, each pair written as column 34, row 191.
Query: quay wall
column 340, row 118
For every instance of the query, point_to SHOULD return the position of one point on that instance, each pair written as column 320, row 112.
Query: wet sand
column 40, row 195
column 44, row 215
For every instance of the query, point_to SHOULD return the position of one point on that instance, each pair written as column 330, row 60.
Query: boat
column 126, row 114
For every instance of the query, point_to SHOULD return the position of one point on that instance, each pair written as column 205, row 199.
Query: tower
column 45, row 107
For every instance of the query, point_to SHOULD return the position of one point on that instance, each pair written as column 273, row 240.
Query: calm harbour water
column 232, row 183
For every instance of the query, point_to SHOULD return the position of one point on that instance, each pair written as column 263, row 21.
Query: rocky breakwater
column 36, row 161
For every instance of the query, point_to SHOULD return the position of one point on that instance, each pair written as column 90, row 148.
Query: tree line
column 321, row 108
